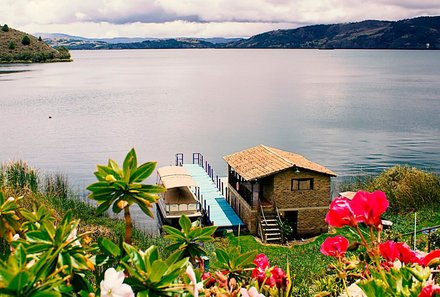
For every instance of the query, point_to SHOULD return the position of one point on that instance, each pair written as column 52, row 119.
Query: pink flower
column 334, row 246
column 430, row 290
column 261, row 261
column 368, row 207
column 340, row 213
column 194, row 285
column 113, row 286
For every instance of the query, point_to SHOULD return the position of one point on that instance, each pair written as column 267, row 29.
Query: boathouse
column 266, row 185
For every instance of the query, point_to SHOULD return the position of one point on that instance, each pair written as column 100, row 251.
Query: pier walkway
column 220, row 213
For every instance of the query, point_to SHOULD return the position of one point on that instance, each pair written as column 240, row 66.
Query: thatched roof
column 261, row 161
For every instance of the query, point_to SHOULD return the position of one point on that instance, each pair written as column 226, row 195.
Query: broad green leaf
column 174, row 257
column 38, row 236
column 20, row 281
column 222, row 255
column 158, row 269
column 246, row 259
column 108, row 247
column 104, row 206
column 47, row 293
column 185, row 223
column 142, row 172
column 173, row 232
column 144, row 207
column 130, row 164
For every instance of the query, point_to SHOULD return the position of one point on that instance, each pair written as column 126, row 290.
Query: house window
column 302, row 184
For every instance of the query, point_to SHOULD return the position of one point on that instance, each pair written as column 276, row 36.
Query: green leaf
column 108, row 247
column 142, row 172
column 222, row 255
column 173, row 233
column 129, row 165
column 174, row 257
column 185, row 223
column 152, row 189
column 38, row 236
column 158, row 269
column 246, row 259
column 104, row 206
column 20, row 281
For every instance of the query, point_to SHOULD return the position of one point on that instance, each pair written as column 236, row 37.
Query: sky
column 197, row 18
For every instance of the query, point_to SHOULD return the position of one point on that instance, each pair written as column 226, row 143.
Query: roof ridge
column 278, row 155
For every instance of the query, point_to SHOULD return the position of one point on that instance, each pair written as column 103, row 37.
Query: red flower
column 430, row 290
column 433, row 258
column 406, row 255
column 259, row 274
column 261, row 261
column 334, row 246
column 340, row 213
column 389, row 251
column 279, row 276
column 368, row 207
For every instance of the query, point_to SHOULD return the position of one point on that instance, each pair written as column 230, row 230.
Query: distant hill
column 17, row 46
column 416, row 33
column 77, row 42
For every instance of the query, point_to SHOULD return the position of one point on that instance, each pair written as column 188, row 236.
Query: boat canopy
column 175, row 176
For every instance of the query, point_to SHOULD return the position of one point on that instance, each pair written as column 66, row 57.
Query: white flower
column 16, row 237
column 72, row 237
column 251, row 293
column 11, row 199
column 196, row 286
column 113, row 286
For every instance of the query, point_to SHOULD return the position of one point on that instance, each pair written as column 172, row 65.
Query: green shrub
column 407, row 188
column 26, row 40
column 5, row 28
column 11, row 45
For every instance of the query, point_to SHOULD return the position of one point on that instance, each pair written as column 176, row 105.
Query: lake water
column 353, row 111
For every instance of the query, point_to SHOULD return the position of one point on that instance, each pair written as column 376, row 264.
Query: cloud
column 196, row 17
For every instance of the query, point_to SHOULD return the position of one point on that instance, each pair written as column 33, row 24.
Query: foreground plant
column 120, row 188
column 390, row 268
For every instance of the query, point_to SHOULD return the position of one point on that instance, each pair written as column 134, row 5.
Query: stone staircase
column 270, row 230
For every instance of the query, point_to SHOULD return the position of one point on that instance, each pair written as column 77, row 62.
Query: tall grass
column 19, row 176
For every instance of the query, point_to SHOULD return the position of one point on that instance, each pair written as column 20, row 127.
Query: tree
column 5, row 28
column 39, row 38
column 26, row 40
column 121, row 187
column 11, row 45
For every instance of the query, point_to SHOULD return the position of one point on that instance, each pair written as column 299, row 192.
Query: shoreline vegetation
column 20, row 47
column 403, row 185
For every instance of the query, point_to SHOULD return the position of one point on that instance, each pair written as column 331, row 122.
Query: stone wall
column 312, row 222
column 243, row 210
column 288, row 199
column 312, row 205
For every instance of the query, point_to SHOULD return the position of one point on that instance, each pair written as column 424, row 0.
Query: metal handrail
column 264, row 220
column 279, row 218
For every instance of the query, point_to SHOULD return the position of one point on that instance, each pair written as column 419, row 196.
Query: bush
column 407, row 188
column 11, row 45
column 5, row 28
column 26, row 40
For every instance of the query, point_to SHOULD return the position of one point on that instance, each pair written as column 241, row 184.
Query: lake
column 353, row 111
